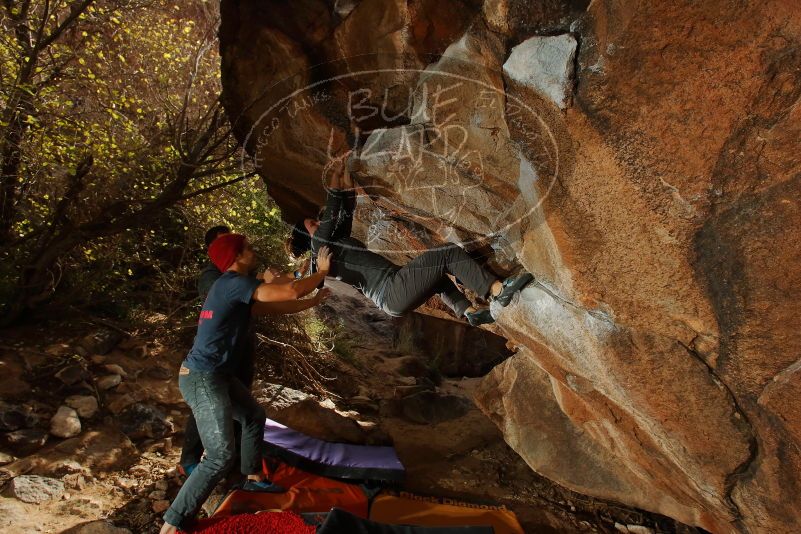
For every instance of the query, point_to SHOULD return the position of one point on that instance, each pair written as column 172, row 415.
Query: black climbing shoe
column 511, row 286
column 479, row 317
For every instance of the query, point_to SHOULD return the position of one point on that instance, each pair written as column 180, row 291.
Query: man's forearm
column 306, row 285
column 282, row 308
column 283, row 278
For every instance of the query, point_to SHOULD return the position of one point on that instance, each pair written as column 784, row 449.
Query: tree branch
column 75, row 12
column 214, row 187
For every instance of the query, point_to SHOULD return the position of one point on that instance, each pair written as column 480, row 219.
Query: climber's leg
column 426, row 275
column 452, row 297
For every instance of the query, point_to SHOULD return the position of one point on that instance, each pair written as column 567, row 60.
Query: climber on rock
column 206, row 378
column 396, row 290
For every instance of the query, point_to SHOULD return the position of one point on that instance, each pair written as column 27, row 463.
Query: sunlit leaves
column 112, row 88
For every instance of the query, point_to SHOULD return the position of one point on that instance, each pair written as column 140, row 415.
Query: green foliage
column 327, row 337
column 135, row 85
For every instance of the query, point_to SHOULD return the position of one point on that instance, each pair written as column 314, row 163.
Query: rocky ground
column 90, row 427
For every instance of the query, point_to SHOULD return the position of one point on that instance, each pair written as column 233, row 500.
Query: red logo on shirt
column 206, row 314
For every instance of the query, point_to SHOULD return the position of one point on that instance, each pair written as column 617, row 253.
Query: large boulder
column 640, row 158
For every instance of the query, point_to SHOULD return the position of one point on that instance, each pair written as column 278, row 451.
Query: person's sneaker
column 263, row 486
column 479, row 317
column 512, row 285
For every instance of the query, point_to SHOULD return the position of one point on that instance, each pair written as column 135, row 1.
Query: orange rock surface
column 658, row 354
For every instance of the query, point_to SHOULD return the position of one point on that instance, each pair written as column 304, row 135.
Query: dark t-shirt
column 208, row 275
column 224, row 320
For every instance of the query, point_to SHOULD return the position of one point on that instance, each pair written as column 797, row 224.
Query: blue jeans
column 217, row 399
column 192, row 451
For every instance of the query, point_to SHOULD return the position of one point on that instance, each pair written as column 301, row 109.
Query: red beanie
column 224, row 250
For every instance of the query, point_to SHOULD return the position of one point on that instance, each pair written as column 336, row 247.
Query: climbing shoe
column 263, row 486
column 479, row 317
column 512, row 285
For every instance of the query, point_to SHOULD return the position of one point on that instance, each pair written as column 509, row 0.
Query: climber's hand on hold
column 324, row 259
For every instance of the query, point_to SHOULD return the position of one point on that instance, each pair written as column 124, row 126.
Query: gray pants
column 414, row 283
column 217, row 399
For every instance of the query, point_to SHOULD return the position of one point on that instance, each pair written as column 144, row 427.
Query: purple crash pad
column 336, row 460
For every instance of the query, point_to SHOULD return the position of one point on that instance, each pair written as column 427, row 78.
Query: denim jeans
column 217, row 399
column 192, row 451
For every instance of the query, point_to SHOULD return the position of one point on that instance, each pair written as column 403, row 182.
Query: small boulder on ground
column 85, row 405
column 6, row 458
column 67, row 467
column 15, row 416
column 115, row 369
column 109, row 381
column 26, row 441
column 35, row 489
column 100, row 342
column 74, row 481
column 140, row 421
column 140, row 352
column 72, row 374
column 65, row 424
column 117, row 404
column 160, row 373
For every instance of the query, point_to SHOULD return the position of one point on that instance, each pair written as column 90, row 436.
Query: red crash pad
column 306, row 493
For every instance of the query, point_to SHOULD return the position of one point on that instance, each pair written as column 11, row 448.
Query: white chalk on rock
column 546, row 65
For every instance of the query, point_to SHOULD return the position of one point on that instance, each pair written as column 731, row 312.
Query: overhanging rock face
column 642, row 159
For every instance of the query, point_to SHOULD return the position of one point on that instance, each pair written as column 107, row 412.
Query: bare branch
column 216, row 186
column 75, row 12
